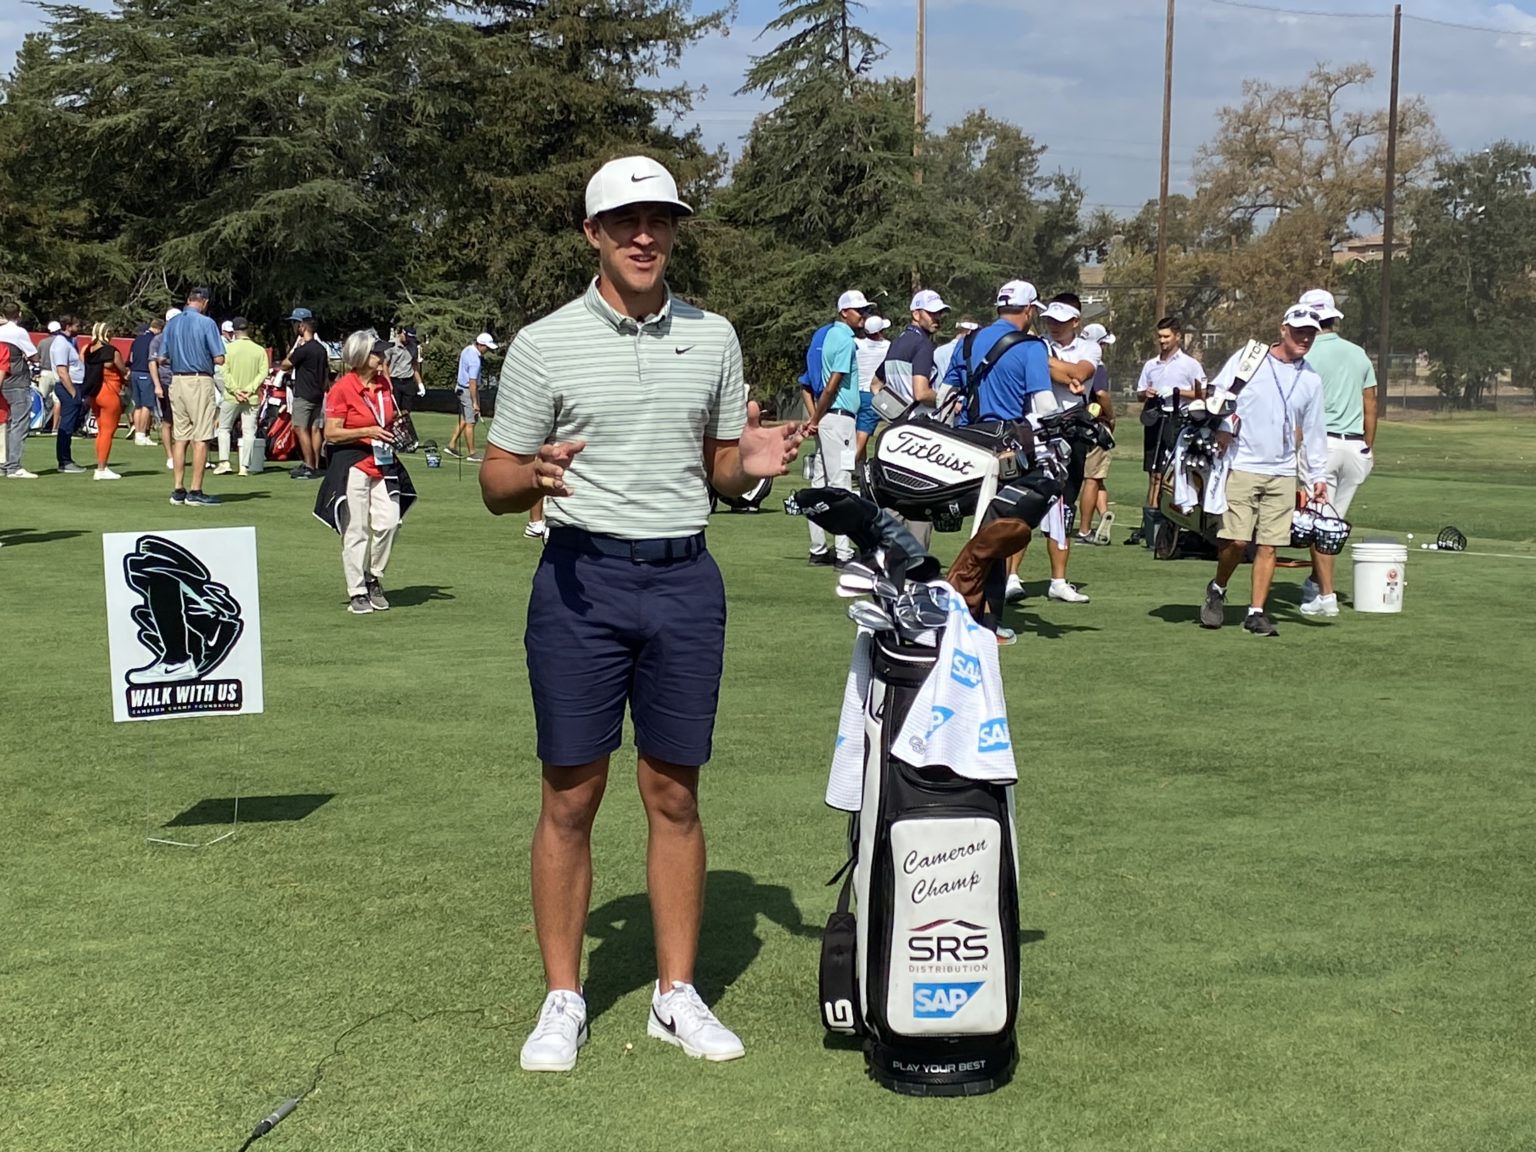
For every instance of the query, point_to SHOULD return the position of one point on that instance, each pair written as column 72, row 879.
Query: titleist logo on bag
column 933, row 455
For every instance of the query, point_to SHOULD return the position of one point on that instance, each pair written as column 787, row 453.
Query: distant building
column 1360, row 249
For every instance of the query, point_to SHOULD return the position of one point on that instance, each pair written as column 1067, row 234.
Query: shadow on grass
column 418, row 594
column 1177, row 613
column 11, row 537
column 253, row 809
column 240, row 497
column 624, row 959
column 1035, row 625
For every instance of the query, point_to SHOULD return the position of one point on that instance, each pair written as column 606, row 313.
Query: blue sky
column 1088, row 85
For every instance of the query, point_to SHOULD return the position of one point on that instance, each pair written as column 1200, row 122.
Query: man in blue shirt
column 142, row 382
column 1020, row 382
column 468, row 392
column 193, row 347
column 834, row 418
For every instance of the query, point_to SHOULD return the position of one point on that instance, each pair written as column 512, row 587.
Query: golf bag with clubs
column 273, row 423
column 750, row 502
column 921, row 957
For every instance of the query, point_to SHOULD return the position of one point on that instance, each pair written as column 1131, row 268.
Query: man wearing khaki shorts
column 1282, row 397
column 193, row 346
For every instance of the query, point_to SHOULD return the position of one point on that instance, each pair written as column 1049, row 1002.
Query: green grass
column 1284, row 888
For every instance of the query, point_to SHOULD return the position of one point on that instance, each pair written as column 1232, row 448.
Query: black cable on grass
column 283, row 1110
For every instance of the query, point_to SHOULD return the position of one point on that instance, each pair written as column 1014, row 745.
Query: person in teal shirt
column 1349, row 403
column 834, row 420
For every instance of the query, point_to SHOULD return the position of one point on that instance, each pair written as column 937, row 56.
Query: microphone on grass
column 281, row 1113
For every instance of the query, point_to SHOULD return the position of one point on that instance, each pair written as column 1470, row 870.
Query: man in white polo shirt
column 1280, row 398
column 1171, row 377
column 1072, row 362
column 621, row 410
column 1349, row 395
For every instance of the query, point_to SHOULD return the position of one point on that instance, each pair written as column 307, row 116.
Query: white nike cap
column 632, row 180
column 485, row 341
column 852, row 298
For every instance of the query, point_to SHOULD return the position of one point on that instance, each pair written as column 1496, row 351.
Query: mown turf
column 1278, row 892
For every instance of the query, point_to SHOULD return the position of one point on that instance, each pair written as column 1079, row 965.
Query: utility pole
column 1161, row 304
column 917, row 103
column 1384, row 355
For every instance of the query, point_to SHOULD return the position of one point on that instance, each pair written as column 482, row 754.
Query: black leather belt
column 636, row 551
column 1346, row 436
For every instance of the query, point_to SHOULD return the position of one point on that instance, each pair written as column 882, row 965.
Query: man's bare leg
column 561, row 871
column 1230, row 556
column 1263, row 575
column 1322, row 572
column 674, row 865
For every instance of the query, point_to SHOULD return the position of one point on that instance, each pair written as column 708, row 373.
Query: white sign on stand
column 183, row 623
column 184, row 630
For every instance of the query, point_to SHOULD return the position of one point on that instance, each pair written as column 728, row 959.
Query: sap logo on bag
column 942, row 1001
column 994, row 736
column 965, row 669
column 937, row 719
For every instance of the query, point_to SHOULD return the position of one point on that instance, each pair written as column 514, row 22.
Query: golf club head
column 867, row 614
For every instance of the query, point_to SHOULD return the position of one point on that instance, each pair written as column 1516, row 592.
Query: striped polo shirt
column 642, row 394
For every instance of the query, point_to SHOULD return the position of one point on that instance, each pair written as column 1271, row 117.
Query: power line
column 1244, row 4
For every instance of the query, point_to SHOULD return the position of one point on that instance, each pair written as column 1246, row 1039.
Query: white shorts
column 1349, row 463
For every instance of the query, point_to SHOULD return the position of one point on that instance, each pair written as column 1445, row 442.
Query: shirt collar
column 615, row 319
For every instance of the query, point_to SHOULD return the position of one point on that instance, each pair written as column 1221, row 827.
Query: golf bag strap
column 845, row 874
column 994, row 354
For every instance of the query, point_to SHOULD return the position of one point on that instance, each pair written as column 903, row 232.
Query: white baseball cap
column 852, row 298
column 928, row 301
column 54, row 326
column 227, row 326
column 485, row 341
column 1017, row 294
column 1322, row 303
column 1061, row 312
column 1300, row 316
column 1098, row 334
column 876, row 324
column 173, row 313
column 632, row 180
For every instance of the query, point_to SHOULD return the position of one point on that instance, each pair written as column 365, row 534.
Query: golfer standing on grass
column 620, row 409
column 1282, row 397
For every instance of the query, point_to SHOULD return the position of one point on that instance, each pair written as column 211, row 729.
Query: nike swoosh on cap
column 637, row 179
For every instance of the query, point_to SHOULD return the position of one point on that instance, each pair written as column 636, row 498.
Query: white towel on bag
column 845, row 783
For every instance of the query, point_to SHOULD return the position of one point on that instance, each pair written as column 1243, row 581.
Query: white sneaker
column 1321, row 606
column 163, row 673
column 682, row 1018
column 1061, row 590
column 21, row 474
column 558, row 1036
column 142, row 440
column 1006, row 636
column 224, row 469
column 535, row 530
column 106, row 474
column 1015, row 590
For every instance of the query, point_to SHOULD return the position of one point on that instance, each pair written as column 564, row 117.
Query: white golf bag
column 926, row 966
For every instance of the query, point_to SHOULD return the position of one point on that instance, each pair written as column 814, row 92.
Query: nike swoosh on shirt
column 680, row 351
column 637, row 179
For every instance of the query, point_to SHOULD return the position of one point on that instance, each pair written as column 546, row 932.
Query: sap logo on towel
column 994, row 736
column 937, row 719
column 965, row 669
column 942, row 1001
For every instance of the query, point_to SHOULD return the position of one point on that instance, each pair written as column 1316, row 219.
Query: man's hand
column 550, row 464
column 768, row 452
column 1320, row 492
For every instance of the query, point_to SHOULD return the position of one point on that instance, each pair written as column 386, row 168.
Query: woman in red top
column 363, row 474
column 104, row 376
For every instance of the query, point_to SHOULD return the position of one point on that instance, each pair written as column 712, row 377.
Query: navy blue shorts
column 605, row 631
column 143, row 389
column 868, row 419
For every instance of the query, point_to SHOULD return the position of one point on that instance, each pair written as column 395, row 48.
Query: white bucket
column 1381, row 573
